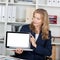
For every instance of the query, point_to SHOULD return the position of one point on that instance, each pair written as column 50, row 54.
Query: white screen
column 18, row 40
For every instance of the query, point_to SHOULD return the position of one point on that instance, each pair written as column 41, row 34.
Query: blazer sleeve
column 47, row 50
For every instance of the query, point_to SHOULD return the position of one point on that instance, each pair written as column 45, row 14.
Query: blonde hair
column 45, row 25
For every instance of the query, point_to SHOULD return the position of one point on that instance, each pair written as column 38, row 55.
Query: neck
column 37, row 29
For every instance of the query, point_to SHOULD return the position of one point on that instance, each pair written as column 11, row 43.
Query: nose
column 35, row 19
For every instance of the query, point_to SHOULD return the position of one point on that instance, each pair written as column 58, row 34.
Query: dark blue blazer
column 44, row 47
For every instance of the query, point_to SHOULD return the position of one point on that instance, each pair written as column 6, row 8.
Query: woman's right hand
column 19, row 51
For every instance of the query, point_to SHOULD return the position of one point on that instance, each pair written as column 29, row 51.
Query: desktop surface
column 2, row 57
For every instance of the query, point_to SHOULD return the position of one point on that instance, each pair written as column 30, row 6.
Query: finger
column 19, row 51
column 30, row 35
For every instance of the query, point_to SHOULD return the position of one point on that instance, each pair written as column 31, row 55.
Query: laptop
column 18, row 40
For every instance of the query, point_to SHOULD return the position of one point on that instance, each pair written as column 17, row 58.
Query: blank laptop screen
column 16, row 40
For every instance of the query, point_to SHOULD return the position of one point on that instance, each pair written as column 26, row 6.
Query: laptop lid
column 18, row 40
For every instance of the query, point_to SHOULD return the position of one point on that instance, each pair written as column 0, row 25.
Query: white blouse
column 36, row 36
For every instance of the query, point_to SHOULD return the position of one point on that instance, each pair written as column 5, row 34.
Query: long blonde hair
column 45, row 25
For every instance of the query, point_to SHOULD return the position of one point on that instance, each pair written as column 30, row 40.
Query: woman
column 40, row 37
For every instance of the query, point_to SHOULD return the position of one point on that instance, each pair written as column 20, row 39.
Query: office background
column 15, row 13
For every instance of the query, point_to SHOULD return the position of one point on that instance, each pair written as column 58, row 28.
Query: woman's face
column 37, row 20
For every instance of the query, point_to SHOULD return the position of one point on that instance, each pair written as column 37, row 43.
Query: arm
column 47, row 50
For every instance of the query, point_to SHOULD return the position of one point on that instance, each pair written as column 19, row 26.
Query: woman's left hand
column 33, row 41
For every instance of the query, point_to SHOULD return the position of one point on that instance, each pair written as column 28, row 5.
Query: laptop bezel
column 13, row 48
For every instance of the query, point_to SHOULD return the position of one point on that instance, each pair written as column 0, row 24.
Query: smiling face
column 37, row 20
column 40, row 22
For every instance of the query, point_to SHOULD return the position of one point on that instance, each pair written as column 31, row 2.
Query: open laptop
column 18, row 40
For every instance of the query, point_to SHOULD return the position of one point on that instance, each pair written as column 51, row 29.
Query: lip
column 35, row 24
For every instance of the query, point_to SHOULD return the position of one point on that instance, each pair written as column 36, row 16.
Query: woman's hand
column 33, row 41
column 19, row 51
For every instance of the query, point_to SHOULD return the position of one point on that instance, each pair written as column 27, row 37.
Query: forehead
column 38, row 15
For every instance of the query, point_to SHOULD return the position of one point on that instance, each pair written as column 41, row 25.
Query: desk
column 2, row 57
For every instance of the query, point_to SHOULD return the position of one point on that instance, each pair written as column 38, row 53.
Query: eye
column 38, row 18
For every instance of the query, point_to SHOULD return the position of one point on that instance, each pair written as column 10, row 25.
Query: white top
column 36, row 36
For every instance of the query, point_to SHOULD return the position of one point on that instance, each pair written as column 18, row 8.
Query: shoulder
column 25, row 28
column 26, row 25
